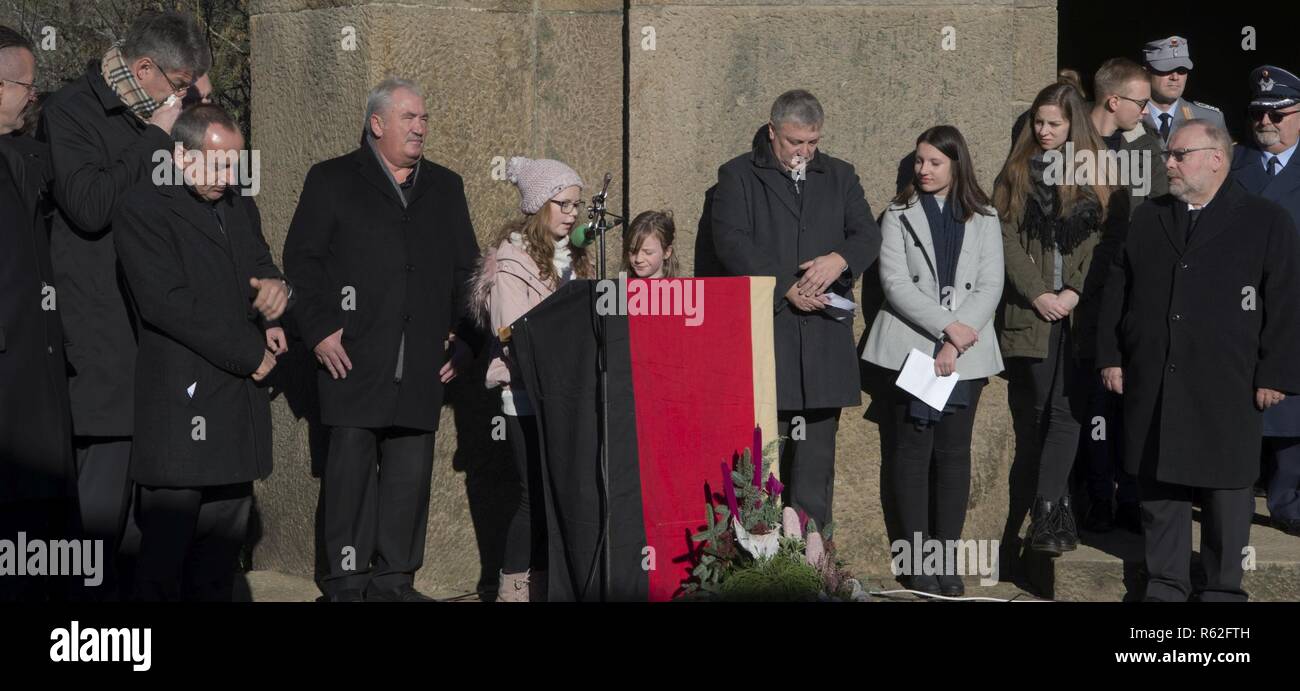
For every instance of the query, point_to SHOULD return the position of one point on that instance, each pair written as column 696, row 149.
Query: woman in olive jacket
column 1051, row 228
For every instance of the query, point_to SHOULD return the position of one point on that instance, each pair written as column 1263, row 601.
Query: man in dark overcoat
column 1199, row 324
column 207, row 291
column 37, row 476
column 105, row 129
column 381, row 250
column 1268, row 167
column 786, row 209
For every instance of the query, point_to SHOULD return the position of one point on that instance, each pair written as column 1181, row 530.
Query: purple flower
column 758, row 470
column 803, row 521
column 730, row 490
column 774, row 486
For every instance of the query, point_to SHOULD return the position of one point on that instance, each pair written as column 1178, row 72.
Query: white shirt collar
column 1282, row 158
column 1155, row 110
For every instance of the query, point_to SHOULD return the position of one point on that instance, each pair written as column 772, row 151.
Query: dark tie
column 1165, row 118
column 1192, row 215
column 1273, row 165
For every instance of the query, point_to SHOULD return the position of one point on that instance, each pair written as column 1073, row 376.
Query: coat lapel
column 918, row 226
column 1171, row 218
column 1217, row 215
column 1285, row 183
column 368, row 168
column 196, row 214
column 775, row 182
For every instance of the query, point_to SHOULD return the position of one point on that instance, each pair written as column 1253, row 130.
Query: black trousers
column 1049, row 401
column 1102, row 448
column 375, row 507
column 808, row 460
column 1284, row 485
column 190, row 541
column 1167, row 528
column 526, row 537
column 104, row 497
column 38, row 519
column 912, row 453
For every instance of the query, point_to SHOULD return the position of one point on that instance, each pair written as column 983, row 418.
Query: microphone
column 581, row 236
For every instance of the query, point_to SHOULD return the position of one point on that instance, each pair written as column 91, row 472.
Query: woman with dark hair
column 941, row 269
column 1051, row 228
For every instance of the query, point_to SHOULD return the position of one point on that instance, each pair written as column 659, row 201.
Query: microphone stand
column 599, row 217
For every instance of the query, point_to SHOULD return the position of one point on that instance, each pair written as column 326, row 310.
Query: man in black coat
column 207, row 292
column 1199, row 325
column 1268, row 167
column 104, row 130
column 37, row 475
column 380, row 250
column 790, row 211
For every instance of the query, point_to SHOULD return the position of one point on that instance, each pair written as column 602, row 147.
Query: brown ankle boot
column 512, row 587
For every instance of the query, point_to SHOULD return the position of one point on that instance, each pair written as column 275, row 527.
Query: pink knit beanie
column 539, row 180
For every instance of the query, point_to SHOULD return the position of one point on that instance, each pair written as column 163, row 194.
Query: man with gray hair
column 380, row 251
column 1198, row 328
column 103, row 131
column 786, row 209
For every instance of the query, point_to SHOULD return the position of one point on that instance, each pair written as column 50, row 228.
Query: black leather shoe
column 924, row 583
column 1099, row 518
column 1042, row 535
column 344, row 596
column 1129, row 517
column 1290, row 526
column 1067, row 532
column 951, row 585
column 403, row 594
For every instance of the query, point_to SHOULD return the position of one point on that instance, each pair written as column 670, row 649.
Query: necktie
column 1192, row 216
column 1165, row 119
column 1273, row 165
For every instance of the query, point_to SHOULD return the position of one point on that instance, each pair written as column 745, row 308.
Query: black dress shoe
column 403, row 594
column 951, row 585
column 344, row 596
column 1290, row 526
column 924, row 583
column 1067, row 533
column 1042, row 535
column 1099, row 518
column 1129, row 517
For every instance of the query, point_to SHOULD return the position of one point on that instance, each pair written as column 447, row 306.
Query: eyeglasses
column 25, row 85
column 1274, row 116
column 568, row 207
column 1179, row 154
column 1142, row 104
column 175, row 89
column 1180, row 71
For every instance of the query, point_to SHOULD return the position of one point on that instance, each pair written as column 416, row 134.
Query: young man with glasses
column 1169, row 61
column 103, row 130
column 1122, row 92
column 1267, row 166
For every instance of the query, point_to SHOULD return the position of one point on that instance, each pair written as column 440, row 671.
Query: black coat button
column 967, row 286
column 1182, row 265
column 1177, row 317
column 916, row 279
column 406, row 318
column 1173, row 368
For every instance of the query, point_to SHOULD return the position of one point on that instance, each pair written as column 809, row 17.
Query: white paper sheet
column 918, row 378
column 190, row 389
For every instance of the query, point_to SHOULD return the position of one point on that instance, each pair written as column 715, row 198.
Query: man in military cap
column 1266, row 166
column 1169, row 61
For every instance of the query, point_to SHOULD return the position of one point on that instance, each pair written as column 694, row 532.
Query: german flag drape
column 690, row 376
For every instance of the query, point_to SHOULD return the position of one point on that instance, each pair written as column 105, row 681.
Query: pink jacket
column 506, row 285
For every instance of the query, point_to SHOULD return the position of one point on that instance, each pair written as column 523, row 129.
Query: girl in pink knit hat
column 529, row 259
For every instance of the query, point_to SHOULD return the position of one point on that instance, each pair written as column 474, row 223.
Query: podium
column 691, row 375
